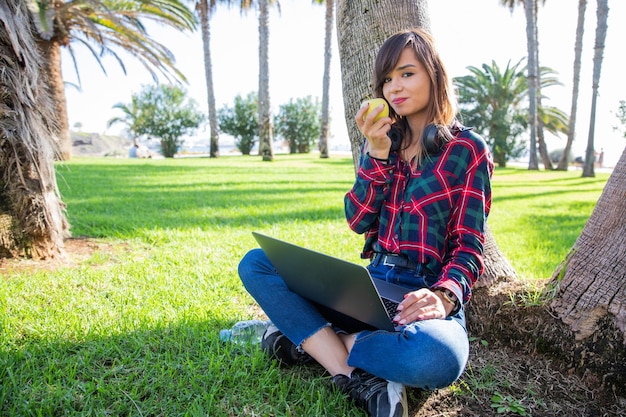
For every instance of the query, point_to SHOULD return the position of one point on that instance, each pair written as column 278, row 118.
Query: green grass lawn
column 133, row 330
column 537, row 216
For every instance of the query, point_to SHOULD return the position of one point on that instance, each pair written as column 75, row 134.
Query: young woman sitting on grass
column 421, row 200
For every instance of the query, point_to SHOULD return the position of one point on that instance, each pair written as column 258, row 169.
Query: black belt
column 393, row 259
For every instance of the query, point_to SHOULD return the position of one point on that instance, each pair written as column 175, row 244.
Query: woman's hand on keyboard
column 422, row 304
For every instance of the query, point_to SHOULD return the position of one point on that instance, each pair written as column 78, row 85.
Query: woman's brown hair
column 442, row 108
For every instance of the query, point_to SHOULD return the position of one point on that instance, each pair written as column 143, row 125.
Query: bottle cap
column 225, row 335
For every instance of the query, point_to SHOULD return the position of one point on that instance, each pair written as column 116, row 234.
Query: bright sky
column 468, row 33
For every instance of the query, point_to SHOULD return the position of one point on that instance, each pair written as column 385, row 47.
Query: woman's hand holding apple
column 374, row 123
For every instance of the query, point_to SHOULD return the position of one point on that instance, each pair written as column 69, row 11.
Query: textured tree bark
column 28, row 186
column 592, row 281
column 56, row 85
column 579, row 319
column 497, row 266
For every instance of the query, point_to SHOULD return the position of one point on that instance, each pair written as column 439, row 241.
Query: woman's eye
column 407, row 74
column 386, row 80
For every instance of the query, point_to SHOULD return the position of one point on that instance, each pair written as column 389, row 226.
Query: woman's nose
column 394, row 85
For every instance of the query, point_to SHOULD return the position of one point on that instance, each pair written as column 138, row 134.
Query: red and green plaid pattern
column 435, row 215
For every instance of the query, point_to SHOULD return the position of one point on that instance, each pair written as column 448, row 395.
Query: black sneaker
column 277, row 346
column 375, row 395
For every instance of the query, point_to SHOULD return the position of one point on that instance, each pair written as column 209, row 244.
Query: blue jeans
column 427, row 354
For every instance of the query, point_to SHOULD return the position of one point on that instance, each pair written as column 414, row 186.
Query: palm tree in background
column 532, row 44
column 104, row 26
column 602, row 15
column 578, row 48
column 205, row 9
column 325, row 125
column 495, row 102
column 491, row 100
column 265, row 111
column 130, row 118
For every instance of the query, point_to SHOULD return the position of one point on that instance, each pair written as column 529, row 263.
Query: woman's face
column 407, row 86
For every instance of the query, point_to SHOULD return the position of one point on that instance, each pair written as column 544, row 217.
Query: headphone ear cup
column 396, row 139
column 430, row 139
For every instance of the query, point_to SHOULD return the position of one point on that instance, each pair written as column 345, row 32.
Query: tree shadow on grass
column 183, row 369
column 537, row 190
column 166, row 371
column 116, row 200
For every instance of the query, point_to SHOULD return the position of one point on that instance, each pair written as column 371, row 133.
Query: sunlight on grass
column 134, row 330
column 537, row 216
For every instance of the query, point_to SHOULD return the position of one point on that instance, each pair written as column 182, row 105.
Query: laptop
column 345, row 292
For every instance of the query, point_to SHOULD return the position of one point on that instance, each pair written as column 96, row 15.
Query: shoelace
column 369, row 385
column 361, row 387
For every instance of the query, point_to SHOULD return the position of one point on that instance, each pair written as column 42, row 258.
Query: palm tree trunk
column 541, row 141
column 578, row 51
column 205, row 16
column 51, row 51
column 497, row 266
column 325, row 125
column 531, row 43
column 541, row 144
column 589, row 285
column 602, row 16
column 265, row 117
column 28, row 186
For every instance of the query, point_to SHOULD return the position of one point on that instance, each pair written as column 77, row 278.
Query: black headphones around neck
column 431, row 139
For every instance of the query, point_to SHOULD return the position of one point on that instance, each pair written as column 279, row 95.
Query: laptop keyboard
column 391, row 307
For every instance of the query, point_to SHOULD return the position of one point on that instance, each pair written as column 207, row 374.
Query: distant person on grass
column 132, row 153
column 421, row 198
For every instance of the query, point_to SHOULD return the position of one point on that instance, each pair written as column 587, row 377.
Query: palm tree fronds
column 121, row 24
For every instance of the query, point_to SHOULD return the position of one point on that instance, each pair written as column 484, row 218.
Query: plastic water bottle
column 245, row 332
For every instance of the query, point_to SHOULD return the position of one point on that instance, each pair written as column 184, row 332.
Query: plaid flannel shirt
column 434, row 215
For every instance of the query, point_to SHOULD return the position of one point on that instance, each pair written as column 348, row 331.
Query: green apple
column 375, row 103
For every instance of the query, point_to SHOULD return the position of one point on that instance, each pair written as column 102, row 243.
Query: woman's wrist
column 379, row 157
column 448, row 299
